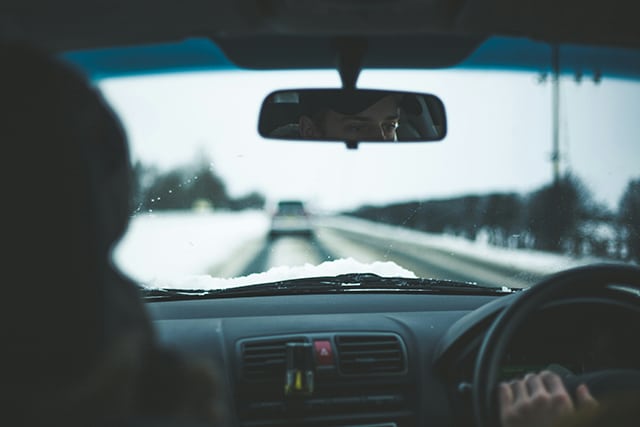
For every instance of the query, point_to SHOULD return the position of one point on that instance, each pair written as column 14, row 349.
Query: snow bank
column 328, row 268
column 178, row 244
column 524, row 260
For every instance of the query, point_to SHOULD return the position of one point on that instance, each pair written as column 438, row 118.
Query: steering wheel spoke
column 605, row 384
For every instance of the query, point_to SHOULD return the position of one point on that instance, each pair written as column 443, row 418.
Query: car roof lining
column 282, row 34
column 66, row 25
column 281, row 51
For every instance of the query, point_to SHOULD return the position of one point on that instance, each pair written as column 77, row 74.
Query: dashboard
column 381, row 359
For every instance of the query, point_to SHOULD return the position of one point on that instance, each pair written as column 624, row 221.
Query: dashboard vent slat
column 370, row 354
column 265, row 359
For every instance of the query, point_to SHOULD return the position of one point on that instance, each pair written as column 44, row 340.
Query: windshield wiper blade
column 369, row 281
column 294, row 286
column 352, row 282
column 162, row 293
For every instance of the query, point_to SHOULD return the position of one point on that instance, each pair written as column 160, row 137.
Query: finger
column 560, row 398
column 519, row 390
column 505, row 395
column 552, row 382
column 534, row 384
column 584, row 397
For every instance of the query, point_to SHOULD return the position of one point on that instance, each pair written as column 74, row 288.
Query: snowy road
column 330, row 244
column 162, row 247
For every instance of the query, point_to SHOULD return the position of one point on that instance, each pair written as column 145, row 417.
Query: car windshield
column 532, row 177
column 290, row 208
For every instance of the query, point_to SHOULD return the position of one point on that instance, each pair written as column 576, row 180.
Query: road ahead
column 330, row 243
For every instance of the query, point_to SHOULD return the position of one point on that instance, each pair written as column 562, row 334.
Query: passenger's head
column 66, row 194
column 78, row 346
column 350, row 116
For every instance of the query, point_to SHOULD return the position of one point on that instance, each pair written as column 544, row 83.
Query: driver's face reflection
column 376, row 123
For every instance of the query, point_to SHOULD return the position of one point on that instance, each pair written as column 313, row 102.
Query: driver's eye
column 389, row 127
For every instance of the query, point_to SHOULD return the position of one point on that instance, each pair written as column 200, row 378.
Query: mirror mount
column 350, row 55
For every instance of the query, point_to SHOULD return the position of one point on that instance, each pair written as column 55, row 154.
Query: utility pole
column 555, row 99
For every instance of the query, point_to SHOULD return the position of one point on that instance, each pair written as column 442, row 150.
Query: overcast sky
column 499, row 135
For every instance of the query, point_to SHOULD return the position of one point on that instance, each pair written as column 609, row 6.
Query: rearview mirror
column 352, row 116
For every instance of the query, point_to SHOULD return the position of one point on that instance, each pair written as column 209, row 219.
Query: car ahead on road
column 291, row 218
column 475, row 164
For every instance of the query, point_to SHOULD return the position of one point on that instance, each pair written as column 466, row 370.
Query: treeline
column 560, row 217
column 191, row 186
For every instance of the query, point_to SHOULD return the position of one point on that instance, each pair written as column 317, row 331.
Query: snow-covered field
column 165, row 246
column 180, row 249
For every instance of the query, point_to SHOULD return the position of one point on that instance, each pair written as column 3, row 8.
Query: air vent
column 370, row 354
column 265, row 360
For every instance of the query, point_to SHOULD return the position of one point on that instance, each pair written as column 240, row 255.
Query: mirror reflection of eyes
column 355, row 127
column 390, row 126
column 358, row 123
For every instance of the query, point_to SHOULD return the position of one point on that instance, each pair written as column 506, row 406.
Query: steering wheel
column 576, row 282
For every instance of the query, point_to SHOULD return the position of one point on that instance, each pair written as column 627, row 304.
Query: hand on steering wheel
column 539, row 400
column 593, row 280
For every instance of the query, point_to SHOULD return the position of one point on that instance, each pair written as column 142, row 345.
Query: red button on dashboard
column 324, row 352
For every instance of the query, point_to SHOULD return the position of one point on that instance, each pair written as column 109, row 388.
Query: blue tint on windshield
column 496, row 53
column 519, row 54
column 189, row 55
